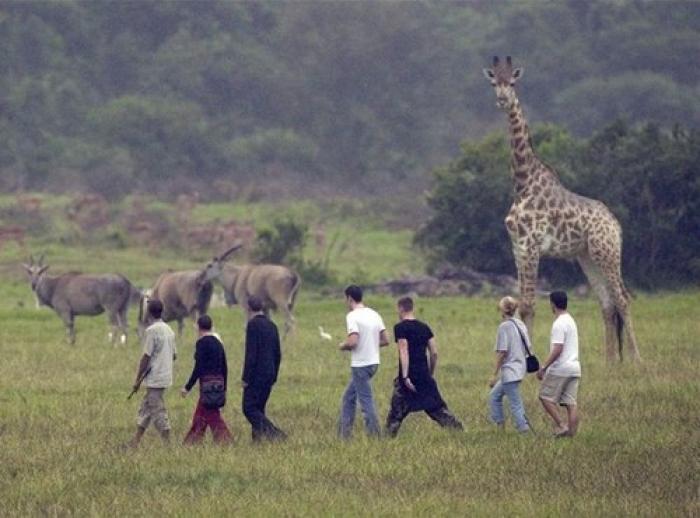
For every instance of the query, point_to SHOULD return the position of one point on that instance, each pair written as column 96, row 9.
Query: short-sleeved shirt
column 160, row 347
column 564, row 331
column 509, row 340
column 367, row 324
column 427, row 396
column 417, row 335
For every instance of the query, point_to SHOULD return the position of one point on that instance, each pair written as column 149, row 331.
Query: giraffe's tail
column 620, row 328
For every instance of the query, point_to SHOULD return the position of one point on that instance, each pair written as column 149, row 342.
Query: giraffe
column 546, row 219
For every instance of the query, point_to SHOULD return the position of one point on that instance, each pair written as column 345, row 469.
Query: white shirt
column 367, row 324
column 564, row 332
column 160, row 347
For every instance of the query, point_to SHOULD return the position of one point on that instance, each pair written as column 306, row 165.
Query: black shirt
column 417, row 334
column 262, row 352
column 209, row 359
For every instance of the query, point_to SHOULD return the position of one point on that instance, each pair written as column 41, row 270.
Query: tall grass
column 64, row 414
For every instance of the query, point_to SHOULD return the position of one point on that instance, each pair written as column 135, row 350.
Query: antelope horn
column 41, row 260
column 228, row 252
column 495, row 61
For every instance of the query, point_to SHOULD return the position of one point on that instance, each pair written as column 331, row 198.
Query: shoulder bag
column 213, row 393
column 532, row 364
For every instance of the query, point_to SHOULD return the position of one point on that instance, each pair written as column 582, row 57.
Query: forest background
column 265, row 101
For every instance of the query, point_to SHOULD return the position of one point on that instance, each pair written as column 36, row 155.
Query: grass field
column 64, row 414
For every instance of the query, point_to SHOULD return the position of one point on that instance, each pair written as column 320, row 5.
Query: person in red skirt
column 209, row 368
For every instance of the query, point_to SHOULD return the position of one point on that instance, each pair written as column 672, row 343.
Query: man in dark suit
column 262, row 363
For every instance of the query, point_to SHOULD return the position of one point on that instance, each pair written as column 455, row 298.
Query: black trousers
column 401, row 406
column 254, row 400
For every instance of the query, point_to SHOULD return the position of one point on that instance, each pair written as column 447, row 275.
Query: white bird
column 323, row 334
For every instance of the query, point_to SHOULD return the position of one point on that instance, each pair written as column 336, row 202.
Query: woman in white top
column 510, row 366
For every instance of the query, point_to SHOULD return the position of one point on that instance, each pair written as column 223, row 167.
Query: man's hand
column 540, row 374
column 184, row 392
column 409, row 384
column 493, row 381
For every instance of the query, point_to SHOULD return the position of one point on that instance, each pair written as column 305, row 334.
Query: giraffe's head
column 502, row 77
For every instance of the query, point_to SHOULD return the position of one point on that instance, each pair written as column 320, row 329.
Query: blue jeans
column 512, row 391
column 359, row 388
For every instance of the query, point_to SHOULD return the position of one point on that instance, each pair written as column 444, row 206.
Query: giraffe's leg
column 528, row 263
column 607, row 307
column 609, row 264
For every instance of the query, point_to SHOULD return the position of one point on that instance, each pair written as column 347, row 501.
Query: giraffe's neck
column 522, row 156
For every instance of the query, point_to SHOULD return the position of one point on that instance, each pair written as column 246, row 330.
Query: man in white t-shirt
column 156, row 372
column 561, row 372
column 366, row 334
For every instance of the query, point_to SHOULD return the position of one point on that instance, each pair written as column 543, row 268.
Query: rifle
column 138, row 383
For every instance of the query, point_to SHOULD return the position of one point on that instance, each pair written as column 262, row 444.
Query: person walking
column 261, row 366
column 366, row 334
column 156, row 372
column 511, row 343
column 415, row 388
column 211, row 370
column 561, row 372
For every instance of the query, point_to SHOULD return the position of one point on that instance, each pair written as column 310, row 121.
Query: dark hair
column 254, row 303
column 559, row 299
column 354, row 292
column 204, row 323
column 406, row 304
column 155, row 308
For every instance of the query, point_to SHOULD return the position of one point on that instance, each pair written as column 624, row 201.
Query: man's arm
column 196, row 369
column 148, row 346
column 553, row 355
column 350, row 342
column 277, row 351
column 143, row 367
column 383, row 338
column 432, row 347
column 225, row 368
column 404, row 362
column 251, row 353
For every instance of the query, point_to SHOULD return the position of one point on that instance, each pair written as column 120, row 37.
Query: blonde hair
column 508, row 305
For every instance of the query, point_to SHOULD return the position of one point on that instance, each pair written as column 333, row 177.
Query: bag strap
column 522, row 338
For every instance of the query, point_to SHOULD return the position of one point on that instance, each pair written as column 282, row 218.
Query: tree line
column 118, row 95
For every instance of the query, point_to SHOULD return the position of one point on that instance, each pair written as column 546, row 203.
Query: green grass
column 63, row 414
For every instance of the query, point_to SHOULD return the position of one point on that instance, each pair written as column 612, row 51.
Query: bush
column 284, row 244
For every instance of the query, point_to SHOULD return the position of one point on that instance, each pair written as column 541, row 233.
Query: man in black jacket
column 262, row 363
column 209, row 368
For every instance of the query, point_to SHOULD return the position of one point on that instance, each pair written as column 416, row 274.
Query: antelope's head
column 35, row 269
